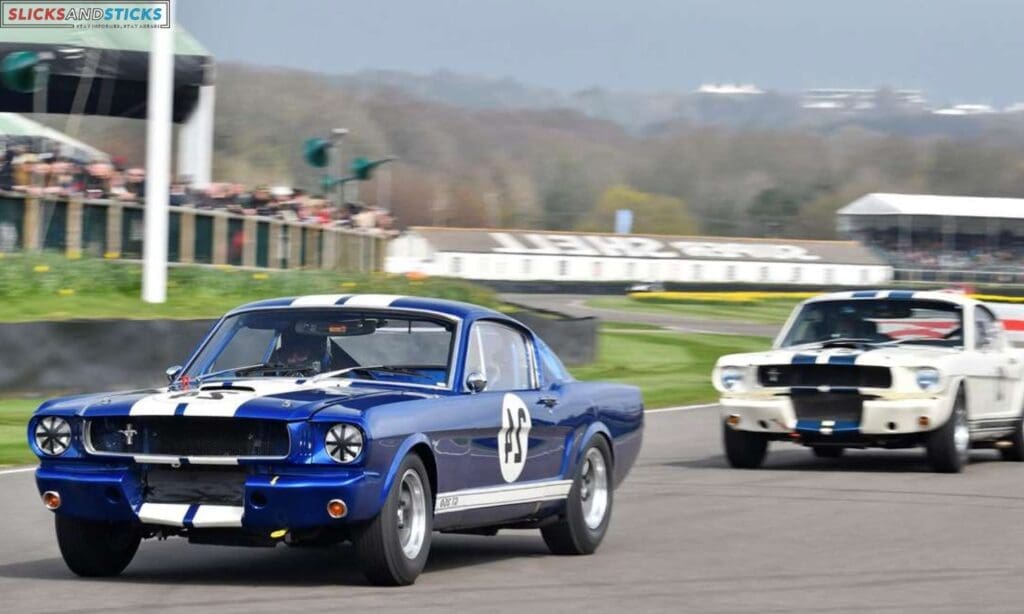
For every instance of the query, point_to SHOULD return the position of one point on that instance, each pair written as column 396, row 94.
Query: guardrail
column 114, row 229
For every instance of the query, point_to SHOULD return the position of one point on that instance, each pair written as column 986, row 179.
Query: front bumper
column 286, row 499
column 879, row 417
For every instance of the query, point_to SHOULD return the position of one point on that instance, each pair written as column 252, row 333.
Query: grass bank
column 52, row 287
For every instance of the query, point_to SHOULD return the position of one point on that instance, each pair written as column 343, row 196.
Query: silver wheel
column 594, row 488
column 411, row 515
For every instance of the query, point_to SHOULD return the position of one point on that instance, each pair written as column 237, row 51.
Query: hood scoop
column 226, row 387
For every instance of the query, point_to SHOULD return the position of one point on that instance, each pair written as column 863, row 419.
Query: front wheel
column 393, row 547
column 96, row 549
column 745, row 450
column 589, row 506
column 949, row 447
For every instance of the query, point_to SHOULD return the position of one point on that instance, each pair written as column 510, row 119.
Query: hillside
column 492, row 153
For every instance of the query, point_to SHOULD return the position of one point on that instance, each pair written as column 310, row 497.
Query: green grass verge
column 670, row 368
column 768, row 312
column 14, row 415
column 52, row 287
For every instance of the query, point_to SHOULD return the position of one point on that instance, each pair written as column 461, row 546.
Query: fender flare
column 955, row 387
column 400, row 453
column 575, row 454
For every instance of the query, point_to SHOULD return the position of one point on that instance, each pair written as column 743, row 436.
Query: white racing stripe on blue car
column 373, row 300
column 479, row 498
column 219, row 402
column 319, row 300
column 202, row 516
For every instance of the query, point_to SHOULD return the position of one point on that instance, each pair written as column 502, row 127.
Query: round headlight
column 731, row 377
column 927, row 378
column 53, row 435
column 344, row 442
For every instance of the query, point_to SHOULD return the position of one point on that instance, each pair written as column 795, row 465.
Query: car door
column 990, row 388
column 494, row 461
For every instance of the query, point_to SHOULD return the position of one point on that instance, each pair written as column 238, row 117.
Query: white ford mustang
column 890, row 369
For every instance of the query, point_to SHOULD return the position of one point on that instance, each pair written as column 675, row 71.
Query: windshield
column 370, row 345
column 895, row 321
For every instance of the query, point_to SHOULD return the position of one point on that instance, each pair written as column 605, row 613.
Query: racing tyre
column 589, row 506
column 745, row 450
column 949, row 447
column 828, row 451
column 1015, row 452
column 393, row 547
column 96, row 549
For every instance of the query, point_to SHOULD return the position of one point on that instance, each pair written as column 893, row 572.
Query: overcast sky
column 957, row 50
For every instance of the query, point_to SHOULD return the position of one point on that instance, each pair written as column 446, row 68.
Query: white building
column 534, row 256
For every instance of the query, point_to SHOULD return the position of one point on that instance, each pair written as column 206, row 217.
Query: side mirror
column 172, row 372
column 476, row 382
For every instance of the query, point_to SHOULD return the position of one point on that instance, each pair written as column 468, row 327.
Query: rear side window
column 501, row 354
column 551, row 368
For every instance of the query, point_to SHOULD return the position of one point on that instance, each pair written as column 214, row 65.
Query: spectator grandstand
column 941, row 238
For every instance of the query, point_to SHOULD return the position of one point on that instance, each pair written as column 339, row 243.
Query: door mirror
column 172, row 372
column 476, row 382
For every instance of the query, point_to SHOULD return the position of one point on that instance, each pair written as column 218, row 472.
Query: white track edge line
column 665, row 410
column 18, row 470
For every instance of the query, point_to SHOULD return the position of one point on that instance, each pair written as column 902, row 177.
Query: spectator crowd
column 928, row 249
column 50, row 175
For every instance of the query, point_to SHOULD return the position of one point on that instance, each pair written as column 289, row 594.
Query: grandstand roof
column 939, row 206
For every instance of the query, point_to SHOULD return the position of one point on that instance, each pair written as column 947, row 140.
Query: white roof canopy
column 938, row 206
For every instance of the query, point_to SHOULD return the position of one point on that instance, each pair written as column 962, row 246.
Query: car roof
column 455, row 309
column 925, row 295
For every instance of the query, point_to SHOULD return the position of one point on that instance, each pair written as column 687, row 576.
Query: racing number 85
column 512, row 440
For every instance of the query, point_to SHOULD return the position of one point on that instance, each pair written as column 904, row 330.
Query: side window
column 986, row 330
column 551, row 367
column 501, row 354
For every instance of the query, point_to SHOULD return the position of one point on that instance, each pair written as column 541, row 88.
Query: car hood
column 882, row 356
column 267, row 398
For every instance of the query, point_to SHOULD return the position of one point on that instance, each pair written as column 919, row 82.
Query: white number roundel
column 514, row 437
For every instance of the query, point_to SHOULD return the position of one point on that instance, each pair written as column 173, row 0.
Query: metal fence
column 114, row 229
column 948, row 276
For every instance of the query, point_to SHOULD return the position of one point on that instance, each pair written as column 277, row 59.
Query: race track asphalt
column 576, row 305
column 873, row 531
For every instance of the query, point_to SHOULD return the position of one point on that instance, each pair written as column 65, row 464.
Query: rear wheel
column 949, row 447
column 1015, row 452
column 828, row 451
column 96, row 549
column 589, row 506
column 393, row 547
column 745, row 450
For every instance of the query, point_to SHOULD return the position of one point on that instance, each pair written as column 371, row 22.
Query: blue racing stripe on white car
column 842, row 359
column 901, row 294
column 865, row 294
column 804, row 359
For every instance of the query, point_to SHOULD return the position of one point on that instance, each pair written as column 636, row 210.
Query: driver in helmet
column 298, row 351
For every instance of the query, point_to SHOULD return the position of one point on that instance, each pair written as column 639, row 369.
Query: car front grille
column 813, row 376
column 188, row 436
column 836, row 406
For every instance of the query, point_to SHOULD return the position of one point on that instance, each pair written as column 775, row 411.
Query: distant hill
column 494, row 152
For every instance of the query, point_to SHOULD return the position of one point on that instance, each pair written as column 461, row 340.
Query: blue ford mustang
column 374, row 419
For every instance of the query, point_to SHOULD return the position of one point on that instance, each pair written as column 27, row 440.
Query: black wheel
column 589, row 506
column 949, row 447
column 1015, row 452
column 96, row 549
column 745, row 450
column 393, row 547
column 828, row 451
